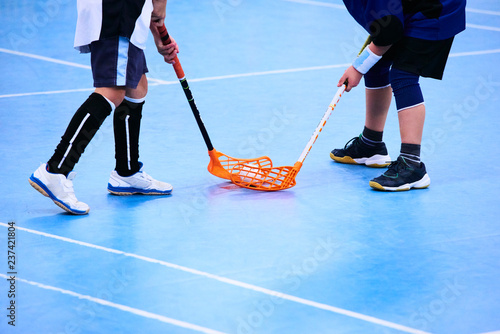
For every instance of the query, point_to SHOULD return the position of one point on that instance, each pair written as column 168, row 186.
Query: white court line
column 477, row 26
column 49, row 92
column 474, row 53
column 221, row 77
column 292, row 70
column 482, row 11
column 121, row 307
column 318, row 3
column 229, row 281
column 156, row 83
column 159, row 81
column 54, row 60
column 331, row 5
column 253, row 74
column 494, row 332
column 242, row 75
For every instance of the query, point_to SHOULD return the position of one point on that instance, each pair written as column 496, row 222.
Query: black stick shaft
column 187, row 91
column 196, row 113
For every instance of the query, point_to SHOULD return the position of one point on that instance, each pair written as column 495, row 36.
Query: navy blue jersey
column 387, row 21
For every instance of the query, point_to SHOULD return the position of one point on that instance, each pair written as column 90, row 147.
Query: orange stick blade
column 264, row 179
column 221, row 164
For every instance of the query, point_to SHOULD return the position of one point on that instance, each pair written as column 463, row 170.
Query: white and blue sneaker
column 59, row 188
column 138, row 183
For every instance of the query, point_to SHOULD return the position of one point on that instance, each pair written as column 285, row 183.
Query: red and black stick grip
column 165, row 38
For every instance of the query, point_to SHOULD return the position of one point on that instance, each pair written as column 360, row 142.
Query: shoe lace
column 68, row 186
column 396, row 167
column 353, row 142
column 146, row 176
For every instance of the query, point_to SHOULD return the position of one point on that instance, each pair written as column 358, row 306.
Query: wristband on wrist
column 365, row 61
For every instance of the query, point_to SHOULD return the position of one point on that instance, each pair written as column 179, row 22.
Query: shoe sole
column 377, row 161
column 133, row 191
column 423, row 183
column 42, row 189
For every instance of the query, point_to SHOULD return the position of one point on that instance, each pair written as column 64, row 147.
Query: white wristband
column 365, row 61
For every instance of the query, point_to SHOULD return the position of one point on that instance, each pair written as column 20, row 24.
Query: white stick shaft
column 322, row 123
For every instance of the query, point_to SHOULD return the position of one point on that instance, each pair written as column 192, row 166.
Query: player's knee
column 114, row 95
column 406, row 89
column 140, row 91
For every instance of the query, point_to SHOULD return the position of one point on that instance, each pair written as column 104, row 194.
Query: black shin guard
column 81, row 129
column 126, row 125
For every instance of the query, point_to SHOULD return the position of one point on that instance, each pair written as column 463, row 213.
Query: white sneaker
column 139, row 183
column 59, row 188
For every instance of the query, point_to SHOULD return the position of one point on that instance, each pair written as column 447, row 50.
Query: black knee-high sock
column 127, row 124
column 81, row 129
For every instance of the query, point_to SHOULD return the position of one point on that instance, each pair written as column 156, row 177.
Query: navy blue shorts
column 117, row 62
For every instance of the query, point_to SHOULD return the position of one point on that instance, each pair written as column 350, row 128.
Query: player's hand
column 169, row 51
column 352, row 76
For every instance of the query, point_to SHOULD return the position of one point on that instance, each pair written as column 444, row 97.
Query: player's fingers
column 171, row 48
column 165, row 50
column 170, row 57
column 342, row 80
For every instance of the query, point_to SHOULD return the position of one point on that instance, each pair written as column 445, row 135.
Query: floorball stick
column 220, row 164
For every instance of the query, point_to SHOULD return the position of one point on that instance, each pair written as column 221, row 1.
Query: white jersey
column 99, row 19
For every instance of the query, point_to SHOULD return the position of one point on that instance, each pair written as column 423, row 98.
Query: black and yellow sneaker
column 402, row 176
column 358, row 153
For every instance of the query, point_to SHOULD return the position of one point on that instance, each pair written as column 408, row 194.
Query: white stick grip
column 322, row 123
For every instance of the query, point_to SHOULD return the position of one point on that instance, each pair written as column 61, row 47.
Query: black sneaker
column 357, row 153
column 401, row 176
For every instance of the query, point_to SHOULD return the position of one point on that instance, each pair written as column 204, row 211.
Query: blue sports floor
column 327, row 256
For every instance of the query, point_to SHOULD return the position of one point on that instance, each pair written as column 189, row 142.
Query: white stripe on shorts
column 121, row 65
